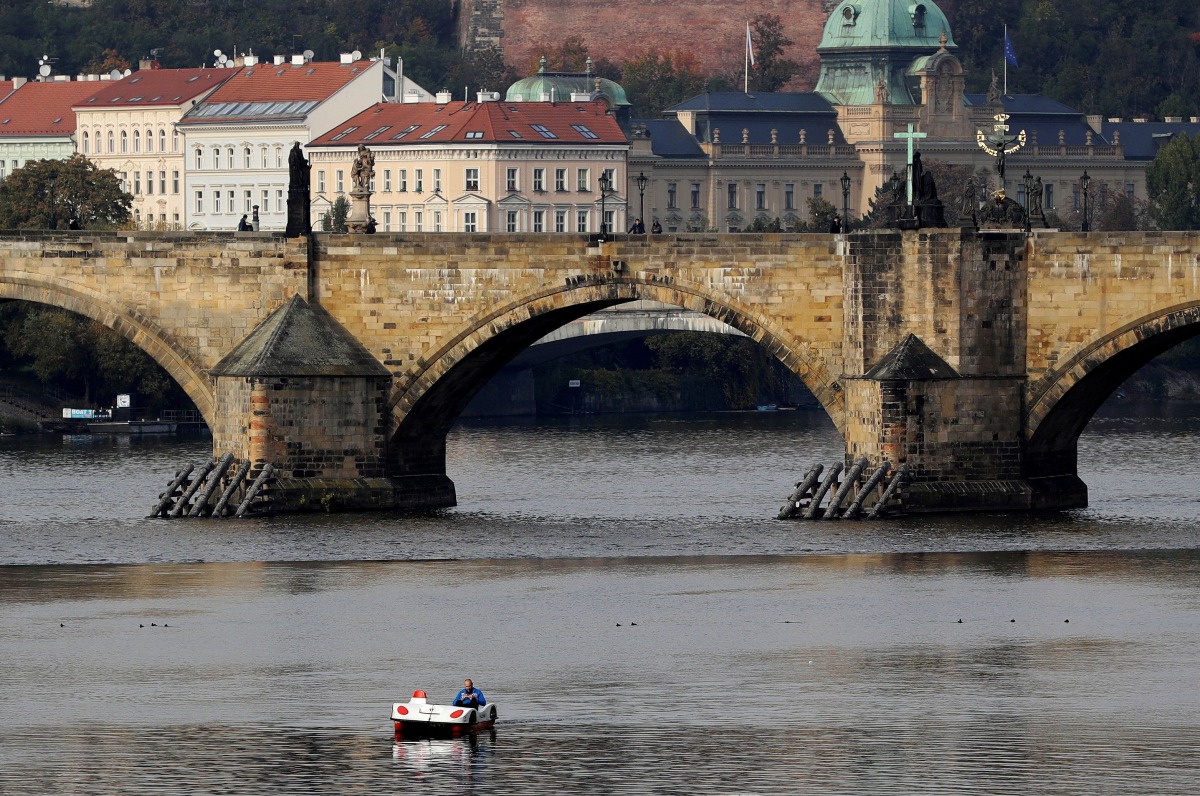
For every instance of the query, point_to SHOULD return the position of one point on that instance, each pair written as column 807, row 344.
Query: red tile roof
column 42, row 108
column 399, row 124
column 313, row 81
column 154, row 87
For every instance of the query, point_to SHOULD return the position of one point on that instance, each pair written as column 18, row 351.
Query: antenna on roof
column 356, row 55
column 308, row 55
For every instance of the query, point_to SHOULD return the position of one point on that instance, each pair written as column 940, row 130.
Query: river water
column 620, row 589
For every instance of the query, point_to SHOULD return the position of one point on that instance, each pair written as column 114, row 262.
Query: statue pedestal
column 360, row 220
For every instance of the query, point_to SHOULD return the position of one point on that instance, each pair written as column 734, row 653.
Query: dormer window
column 918, row 17
column 849, row 15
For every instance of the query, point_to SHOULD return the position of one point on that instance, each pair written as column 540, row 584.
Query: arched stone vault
column 1060, row 404
column 140, row 331
column 429, row 398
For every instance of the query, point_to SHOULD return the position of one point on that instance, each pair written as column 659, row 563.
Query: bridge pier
column 936, row 372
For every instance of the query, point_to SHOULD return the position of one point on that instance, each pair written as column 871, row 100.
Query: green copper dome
column 868, row 49
column 885, row 23
column 559, row 86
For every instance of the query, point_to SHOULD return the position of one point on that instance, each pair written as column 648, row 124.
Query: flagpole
column 746, row 63
column 1006, row 59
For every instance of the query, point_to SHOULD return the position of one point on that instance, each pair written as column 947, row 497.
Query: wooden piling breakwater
column 193, row 492
column 880, row 494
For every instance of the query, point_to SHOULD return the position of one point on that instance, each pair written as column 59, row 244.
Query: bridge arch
column 142, row 332
column 429, row 398
column 1061, row 403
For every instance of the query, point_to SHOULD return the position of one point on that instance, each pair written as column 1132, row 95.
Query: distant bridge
column 977, row 358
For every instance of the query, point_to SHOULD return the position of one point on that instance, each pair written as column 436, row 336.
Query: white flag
column 749, row 45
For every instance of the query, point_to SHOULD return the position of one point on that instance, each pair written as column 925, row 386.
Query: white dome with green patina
column 559, row 86
column 870, row 45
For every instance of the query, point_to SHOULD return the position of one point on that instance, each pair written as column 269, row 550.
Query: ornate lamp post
column 1084, row 182
column 605, row 184
column 1028, row 178
column 845, row 202
column 641, row 186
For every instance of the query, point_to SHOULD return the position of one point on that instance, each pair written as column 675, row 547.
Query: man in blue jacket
column 469, row 696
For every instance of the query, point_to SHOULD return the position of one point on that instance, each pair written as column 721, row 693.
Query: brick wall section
column 711, row 31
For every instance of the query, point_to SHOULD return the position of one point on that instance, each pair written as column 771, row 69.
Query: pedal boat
column 417, row 718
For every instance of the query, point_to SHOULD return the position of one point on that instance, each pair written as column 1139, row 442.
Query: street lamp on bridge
column 1084, row 182
column 605, row 187
column 641, row 186
column 845, row 202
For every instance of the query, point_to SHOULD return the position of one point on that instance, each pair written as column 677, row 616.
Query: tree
column 656, row 81
column 335, row 219
column 50, row 194
column 1173, row 184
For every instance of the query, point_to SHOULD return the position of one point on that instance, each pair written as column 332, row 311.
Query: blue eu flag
column 1010, row 54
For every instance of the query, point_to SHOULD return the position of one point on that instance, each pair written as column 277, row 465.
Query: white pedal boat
column 417, row 718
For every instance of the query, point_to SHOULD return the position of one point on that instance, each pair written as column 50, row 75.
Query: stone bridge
column 975, row 357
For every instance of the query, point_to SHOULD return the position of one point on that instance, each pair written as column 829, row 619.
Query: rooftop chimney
column 488, row 96
column 347, row 58
column 443, row 97
column 250, row 60
column 298, row 60
column 280, row 60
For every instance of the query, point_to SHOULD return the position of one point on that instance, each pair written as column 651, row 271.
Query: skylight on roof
column 193, row 79
column 434, row 131
column 135, row 99
column 583, row 131
column 474, row 134
column 543, row 131
column 514, row 134
column 405, row 132
column 373, row 135
column 344, row 133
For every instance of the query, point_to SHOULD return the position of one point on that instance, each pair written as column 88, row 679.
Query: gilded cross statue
column 912, row 139
column 1000, row 144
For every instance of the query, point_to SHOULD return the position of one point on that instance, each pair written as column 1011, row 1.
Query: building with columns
column 483, row 166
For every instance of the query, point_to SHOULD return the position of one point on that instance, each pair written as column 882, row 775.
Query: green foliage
column 654, row 81
column 1173, row 184
column 771, row 70
column 83, row 356
column 335, row 219
column 49, row 194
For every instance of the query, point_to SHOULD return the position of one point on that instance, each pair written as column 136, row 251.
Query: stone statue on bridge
column 360, row 219
column 299, row 207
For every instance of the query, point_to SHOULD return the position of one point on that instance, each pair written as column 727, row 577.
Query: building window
column 150, row 147
column 199, row 201
column 175, row 182
column 137, row 141
column 539, row 180
column 162, row 182
column 279, row 157
column 510, row 225
column 437, row 220
column 560, row 220
column 510, row 181
column 817, row 188
column 279, row 198
column 249, row 206
column 469, row 222
column 216, row 159
column 137, row 183
column 229, row 159
column 86, row 147
column 340, row 178
column 175, row 219
column 539, row 220
column 1048, row 200
column 216, row 201
column 695, row 196
column 174, row 140
column 789, row 196
column 387, row 220
column 732, row 191
column 199, row 158
column 472, row 179
column 609, row 217
column 760, row 196
column 110, row 142
column 418, row 218
column 419, row 181
column 581, row 218
column 611, row 176
column 321, row 181
column 246, row 157
column 582, row 179
column 149, row 180
column 232, row 206
column 402, row 181
column 162, row 140
column 560, row 179
column 671, row 193
column 1129, row 189
column 262, row 156
column 387, row 180
column 437, row 187
column 124, row 142
column 403, row 220
column 266, row 202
